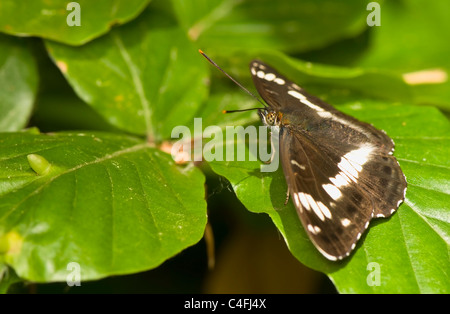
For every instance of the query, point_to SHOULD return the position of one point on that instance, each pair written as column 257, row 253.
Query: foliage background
column 98, row 103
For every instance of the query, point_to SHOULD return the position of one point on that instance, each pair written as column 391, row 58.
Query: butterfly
column 340, row 172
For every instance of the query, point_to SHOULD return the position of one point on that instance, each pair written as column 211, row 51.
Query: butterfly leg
column 287, row 197
column 272, row 157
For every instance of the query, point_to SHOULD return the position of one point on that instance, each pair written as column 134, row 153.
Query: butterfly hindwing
column 328, row 202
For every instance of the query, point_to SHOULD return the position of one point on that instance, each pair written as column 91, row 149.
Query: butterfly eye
column 271, row 118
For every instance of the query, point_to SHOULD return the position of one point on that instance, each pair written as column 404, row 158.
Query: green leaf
column 224, row 25
column 49, row 18
column 141, row 78
column 18, row 83
column 407, row 42
column 212, row 111
column 7, row 278
column 110, row 203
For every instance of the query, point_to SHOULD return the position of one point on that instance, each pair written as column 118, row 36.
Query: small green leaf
column 115, row 205
column 49, row 18
column 18, row 83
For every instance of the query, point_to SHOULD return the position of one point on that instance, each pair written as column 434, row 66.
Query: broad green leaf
column 18, row 83
column 108, row 202
column 411, row 248
column 224, row 25
column 52, row 19
column 141, row 78
column 408, row 42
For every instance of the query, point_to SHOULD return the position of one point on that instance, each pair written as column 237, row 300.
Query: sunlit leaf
column 110, row 203
column 140, row 78
column 55, row 19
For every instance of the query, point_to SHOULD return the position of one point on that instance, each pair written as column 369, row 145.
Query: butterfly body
column 340, row 171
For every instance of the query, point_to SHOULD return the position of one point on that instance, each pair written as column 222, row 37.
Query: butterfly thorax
column 272, row 117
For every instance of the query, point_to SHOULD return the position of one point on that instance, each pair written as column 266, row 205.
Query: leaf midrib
column 131, row 149
column 137, row 82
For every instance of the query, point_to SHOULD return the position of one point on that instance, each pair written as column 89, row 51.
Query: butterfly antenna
column 236, row 82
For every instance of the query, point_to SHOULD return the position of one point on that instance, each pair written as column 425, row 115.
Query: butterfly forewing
column 340, row 172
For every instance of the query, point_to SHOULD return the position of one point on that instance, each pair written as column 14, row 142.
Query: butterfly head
column 270, row 117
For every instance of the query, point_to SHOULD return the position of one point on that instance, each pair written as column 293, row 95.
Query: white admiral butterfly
column 340, row 171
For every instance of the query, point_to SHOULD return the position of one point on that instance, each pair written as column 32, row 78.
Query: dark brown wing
column 334, row 216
